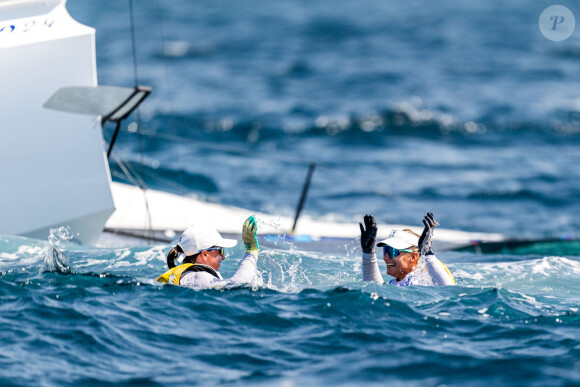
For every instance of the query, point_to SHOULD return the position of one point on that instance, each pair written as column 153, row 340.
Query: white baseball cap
column 198, row 238
column 400, row 239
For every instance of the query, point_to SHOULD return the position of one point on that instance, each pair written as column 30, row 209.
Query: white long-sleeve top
column 429, row 272
column 204, row 280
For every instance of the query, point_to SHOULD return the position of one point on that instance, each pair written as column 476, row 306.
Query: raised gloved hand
column 368, row 234
column 425, row 238
column 249, row 237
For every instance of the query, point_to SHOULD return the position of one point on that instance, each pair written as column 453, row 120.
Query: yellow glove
column 249, row 231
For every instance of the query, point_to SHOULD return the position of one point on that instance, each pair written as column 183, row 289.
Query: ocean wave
column 309, row 311
column 519, row 195
column 407, row 119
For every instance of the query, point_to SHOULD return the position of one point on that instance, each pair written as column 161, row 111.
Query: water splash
column 422, row 273
column 54, row 260
column 282, row 261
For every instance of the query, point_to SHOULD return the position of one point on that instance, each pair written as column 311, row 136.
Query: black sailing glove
column 425, row 238
column 368, row 234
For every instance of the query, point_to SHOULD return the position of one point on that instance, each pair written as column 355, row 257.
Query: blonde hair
column 414, row 248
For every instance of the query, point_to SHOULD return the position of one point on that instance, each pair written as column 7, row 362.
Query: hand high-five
column 368, row 234
column 425, row 239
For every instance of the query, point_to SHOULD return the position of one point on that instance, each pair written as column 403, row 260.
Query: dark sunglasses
column 392, row 252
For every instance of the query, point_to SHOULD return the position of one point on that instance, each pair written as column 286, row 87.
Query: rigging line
column 178, row 188
column 170, row 183
column 333, row 169
column 328, row 168
column 142, row 165
column 132, row 176
column 133, row 44
column 136, row 77
column 183, row 189
column 242, row 151
column 137, row 181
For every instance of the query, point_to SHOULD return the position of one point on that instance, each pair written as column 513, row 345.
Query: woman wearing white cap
column 200, row 251
column 408, row 256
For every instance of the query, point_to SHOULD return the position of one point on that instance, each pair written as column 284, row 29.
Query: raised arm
column 246, row 271
column 248, row 267
column 368, row 236
column 437, row 272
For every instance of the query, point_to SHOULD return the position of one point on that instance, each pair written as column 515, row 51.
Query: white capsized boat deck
column 170, row 214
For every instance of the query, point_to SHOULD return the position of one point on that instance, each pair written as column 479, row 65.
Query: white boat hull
column 161, row 213
column 54, row 170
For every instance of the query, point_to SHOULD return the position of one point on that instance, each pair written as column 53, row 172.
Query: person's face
column 401, row 265
column 212, row 258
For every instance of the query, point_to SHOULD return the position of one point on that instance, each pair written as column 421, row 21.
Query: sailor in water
column 409, row 257
column 200, row 250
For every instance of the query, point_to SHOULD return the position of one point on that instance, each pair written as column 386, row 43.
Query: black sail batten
column 123, row 110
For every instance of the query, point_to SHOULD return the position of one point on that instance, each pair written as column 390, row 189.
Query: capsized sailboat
column 54, row 171
column 55, row 168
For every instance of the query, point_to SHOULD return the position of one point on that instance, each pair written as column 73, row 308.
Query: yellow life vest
column 448, row 272
column 178, row 271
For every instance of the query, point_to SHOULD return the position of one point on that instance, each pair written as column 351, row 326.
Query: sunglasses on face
column 220, row 249
column 392, row 252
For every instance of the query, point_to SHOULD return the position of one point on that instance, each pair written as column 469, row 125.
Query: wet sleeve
column 203, row 280
column 439, row 276
column 247, row 270
column 198, row 279
column 370, row 268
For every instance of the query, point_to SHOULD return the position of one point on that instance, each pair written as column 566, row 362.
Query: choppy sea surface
column 87, row 316
column 460, row 108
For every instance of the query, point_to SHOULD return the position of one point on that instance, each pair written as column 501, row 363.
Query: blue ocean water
column 87, row 316
column 459, row 108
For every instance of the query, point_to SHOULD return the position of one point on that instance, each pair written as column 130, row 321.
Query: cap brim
column 227, row 243
column 395, row 243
